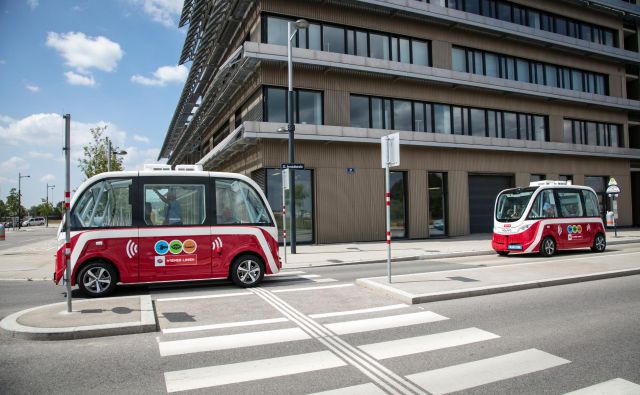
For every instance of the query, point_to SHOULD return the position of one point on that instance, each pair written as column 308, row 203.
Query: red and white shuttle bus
column 168, row 225
column 545, row 217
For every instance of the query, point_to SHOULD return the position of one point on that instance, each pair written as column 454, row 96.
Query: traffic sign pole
column 285, row 184
column 387, row 195
column 67, row 206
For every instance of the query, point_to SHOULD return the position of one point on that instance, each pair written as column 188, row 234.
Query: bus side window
column 238, row 203
column 570, row 204
column 544, row 206
column 104, row 205
column 591, row 203
column 174, row 204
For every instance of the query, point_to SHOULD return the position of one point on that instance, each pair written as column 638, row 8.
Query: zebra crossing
column 335, row 348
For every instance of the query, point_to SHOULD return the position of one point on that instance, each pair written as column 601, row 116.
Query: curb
column 426, row 257
column 408, row 298
column 147, row 323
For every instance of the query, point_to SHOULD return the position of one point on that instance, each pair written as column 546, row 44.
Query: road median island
column 464, row 283
column 89, row 318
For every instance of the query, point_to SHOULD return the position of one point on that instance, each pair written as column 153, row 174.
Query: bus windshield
column 512, row 204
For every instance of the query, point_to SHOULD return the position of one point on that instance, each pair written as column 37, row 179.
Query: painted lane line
column 360, row 311
column 419, row 344
column 226, row 342
column 386, row 379
column 325, row 280
column 612, row 387
column 223, row 325
column 278, row 291
column 212, row 376
column 394, row 321
column 285, row 274
column 473, row 374
column 212, row 296
column 362, row 389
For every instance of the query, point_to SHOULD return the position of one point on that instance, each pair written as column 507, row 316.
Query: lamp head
column 302, row 24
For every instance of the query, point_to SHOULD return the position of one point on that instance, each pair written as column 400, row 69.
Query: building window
column 437, row 184
column 307, row 106
column 566, row 178
column 522, row 15
column 488, row 63
column 341, row 39
column 592, row 133
column 380, row 113
column 304, row 202
column 537, row 177
column 397, row 183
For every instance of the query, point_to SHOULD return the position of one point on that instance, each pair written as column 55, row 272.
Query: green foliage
column 4, row 211
column 95, row 155
column 12, row 202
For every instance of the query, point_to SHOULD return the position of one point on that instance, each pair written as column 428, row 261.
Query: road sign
column 390, row 150
column 293, row 166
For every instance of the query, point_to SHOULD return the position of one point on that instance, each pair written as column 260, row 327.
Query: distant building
column 486, row 95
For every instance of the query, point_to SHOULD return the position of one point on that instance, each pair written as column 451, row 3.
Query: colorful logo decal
column 574, row 229
column 189, row 246
column 161, row 247
column 175, row 246
column 160, row 261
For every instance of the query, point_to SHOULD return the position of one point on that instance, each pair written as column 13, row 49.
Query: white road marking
column 277, row 291
column 325, row 280
column 473, row 374
column 360, row 311
column 415, row 345
column 223, row 325
column 394, row 321
column 211, row 376
column 216, row 343
column 612, row 387
column 362, row 389
column 285, row 273
column 211, row 296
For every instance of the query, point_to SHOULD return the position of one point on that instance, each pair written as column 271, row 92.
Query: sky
column 105, row 62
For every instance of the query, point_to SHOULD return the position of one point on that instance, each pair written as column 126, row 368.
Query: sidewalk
column 401, row 250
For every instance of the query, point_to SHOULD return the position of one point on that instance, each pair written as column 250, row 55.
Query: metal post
column 47, row 206
column 284, row 217
column 387, row 196
column 108, row 154
column 67, row 206
column 291, row 129
column 20, row 177
column 615, row 206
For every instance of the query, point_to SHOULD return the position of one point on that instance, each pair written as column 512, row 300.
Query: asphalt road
column 27, row 235
column 568, row 337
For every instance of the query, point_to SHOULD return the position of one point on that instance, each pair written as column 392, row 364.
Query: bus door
column 575, row 230
column 240, row 212
column 174, row 231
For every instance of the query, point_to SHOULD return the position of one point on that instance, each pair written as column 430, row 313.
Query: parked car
column 34, row 221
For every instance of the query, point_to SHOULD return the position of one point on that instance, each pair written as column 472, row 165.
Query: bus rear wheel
column 548, row 246
column 247, row 271
column 97, row 279
column 599, row 243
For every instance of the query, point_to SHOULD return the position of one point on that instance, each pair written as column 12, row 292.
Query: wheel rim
column 97, row 279
column 549, row 248
column 248, row 271
column 600, row 243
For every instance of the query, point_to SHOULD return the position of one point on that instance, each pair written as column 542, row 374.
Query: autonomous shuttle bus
column 545, row 217
column 162, row 225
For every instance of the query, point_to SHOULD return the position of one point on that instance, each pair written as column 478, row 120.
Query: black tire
column 97, row 279
column 548, row 246
column 503, row 253
column 599, row 243
column 247, row 271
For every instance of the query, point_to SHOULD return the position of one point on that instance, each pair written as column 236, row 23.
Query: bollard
column 1, row 232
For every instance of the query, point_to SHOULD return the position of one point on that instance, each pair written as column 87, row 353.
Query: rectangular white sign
column 390, row 150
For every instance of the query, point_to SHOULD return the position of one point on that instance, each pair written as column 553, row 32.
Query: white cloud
column 163, row 75
column 41, row 155
column 33, row 88
column 136, row 158
column 47, row 130
column 141, row 139
column 84, row 52
column 47, row 178
column 13, row 165
column 33, row 4
column 79, row 79
column 2, row 61
column 165, row 12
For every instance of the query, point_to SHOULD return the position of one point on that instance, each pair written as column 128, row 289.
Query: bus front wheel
column 548, row 246
column 97, row 279
column 247, row 271
column 503, row 253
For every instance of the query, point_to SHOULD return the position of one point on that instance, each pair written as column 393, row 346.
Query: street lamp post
column 297, row 25
column 20, row 177
column 111, row 152
column 47, row 206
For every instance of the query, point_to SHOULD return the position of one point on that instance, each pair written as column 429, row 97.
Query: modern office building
column 486, row 95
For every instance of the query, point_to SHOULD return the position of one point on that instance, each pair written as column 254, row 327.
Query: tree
column 4, row 211
column 95, row 154
column 12, row 202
